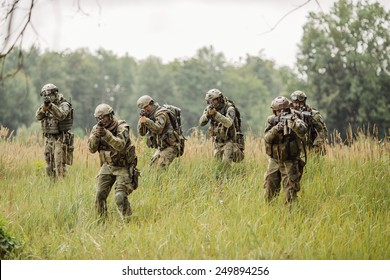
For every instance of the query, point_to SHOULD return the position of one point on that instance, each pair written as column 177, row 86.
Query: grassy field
column 195, row 211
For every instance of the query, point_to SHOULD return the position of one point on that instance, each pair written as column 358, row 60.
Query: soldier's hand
column 46, row 107
column 279, row 127
column 291, row 124
column 211, row 112
column 100, row 131
column 142, row 119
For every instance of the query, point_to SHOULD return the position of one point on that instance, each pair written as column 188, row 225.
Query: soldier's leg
column 291, row 176
column 104, row 184
column 166, row 156
column 272, row 180
column 123, row 188
column 227, row 157
column 59, row 158
column 49, row 158
column 218, row 151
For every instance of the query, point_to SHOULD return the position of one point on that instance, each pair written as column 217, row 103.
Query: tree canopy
column 345, row 58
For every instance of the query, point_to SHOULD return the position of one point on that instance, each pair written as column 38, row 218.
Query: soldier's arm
column 271, row 130
column 299, row 127
column 60, row 112
column 204, row 119
column 40, row 114
column 320, row 128
column 142, row 128
column 93, row 141
column 227, row 120
column 157, row 126
column 117, row 142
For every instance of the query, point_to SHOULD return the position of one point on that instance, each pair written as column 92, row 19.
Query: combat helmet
column 103, row 110
column 212, row 94
column 144, row 101
column 298, row 95
column 49, row 88
column 280, row 103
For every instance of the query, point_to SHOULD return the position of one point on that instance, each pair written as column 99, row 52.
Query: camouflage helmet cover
column 212, row 94
column 144, row 101
column 280, row 103
column 298, row 95
column 48, row 88
column 103, row 110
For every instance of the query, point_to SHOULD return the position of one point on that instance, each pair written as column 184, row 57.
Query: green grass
column 197, row 211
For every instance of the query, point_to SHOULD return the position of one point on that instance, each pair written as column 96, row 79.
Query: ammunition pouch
column 238, row 147
column 134, row 174
column 283, row 151
column 151, row 141
column 49, row 126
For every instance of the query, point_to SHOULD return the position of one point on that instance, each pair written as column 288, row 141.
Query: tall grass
column 198, row 210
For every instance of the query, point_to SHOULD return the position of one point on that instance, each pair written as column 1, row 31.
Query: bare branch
column 283, row 17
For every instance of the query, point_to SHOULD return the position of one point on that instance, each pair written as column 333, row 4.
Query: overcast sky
column 172, row 29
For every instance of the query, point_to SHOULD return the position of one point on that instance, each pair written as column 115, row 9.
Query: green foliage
column 344, row 55
column 8, row 244
column 87, row 79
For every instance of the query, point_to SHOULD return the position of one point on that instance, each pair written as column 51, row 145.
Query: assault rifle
column 304, row 114
column 100, row 122
column 142, row 113
column 284, row 117
column 46, row 101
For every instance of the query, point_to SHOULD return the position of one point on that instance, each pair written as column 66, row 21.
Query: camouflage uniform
column 160, row 133
column 221, row 125
column 56, row 121
column 117, row 160
column 317, row 133
column 285, row 165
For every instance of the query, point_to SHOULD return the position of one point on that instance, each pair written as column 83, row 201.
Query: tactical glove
column 100, row 131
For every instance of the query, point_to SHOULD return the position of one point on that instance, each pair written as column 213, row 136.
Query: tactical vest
column 168, row 137
column 285, row 147
column 52, row 126
column 222, row 133
column 117, row 158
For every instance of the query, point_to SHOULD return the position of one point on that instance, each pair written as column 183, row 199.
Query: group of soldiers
column 293, row 127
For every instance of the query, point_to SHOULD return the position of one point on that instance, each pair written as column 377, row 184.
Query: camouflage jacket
column 57, row 118
column 221, row 124
column 281, row 146
column 158, row 129
column 114, row 147
column 317, row 131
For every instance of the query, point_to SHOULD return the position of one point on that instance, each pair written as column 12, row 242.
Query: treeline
column 343, row 65
column 88, row 79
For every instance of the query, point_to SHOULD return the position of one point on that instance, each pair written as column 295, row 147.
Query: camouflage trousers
column 55, row 157
column 224, row 151
column 118, row 177
column 163, row 158
column 286, row 173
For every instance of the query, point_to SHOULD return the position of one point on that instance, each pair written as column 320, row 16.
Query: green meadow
column 196, row 210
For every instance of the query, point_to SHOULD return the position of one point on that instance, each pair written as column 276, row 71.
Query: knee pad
column 120, row 198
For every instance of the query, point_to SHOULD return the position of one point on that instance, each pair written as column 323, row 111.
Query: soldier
column 283, row 133
column 317, row 131
column 56, row 116
column 221, row 114
column 155, row 123
column 110, row 137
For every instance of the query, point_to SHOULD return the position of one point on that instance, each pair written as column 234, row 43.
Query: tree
column 345, row 58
